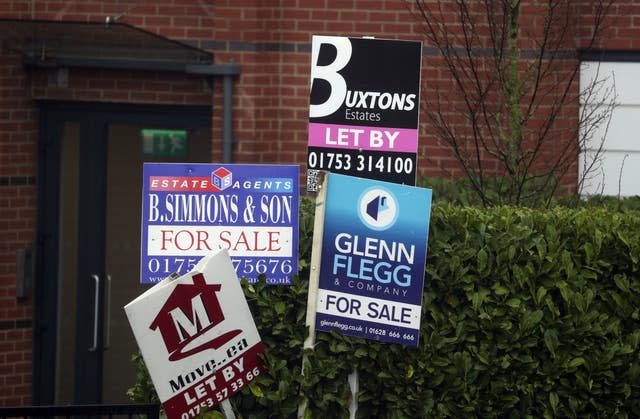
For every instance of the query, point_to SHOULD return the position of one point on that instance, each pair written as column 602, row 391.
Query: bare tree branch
column 512, row 83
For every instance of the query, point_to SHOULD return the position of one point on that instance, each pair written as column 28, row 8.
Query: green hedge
column 525, row 314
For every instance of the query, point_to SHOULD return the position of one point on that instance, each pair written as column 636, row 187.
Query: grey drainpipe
column 227, row 71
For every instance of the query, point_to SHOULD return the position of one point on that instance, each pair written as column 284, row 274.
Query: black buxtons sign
column 364, row 107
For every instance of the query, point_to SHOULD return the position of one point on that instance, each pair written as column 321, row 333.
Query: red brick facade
column 270, row 40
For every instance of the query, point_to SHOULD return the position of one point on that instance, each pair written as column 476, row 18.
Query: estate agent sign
column 364, row 105
column 190, row 210
column 197, row 337
column 373, row 257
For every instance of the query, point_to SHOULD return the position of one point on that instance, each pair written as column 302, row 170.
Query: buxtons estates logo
column 378, row 208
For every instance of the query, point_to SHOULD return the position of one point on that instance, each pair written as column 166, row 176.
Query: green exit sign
column 164, row 142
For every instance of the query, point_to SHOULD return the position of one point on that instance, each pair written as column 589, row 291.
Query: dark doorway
column 89, row 198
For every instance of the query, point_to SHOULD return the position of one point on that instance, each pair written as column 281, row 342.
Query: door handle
column 96, row 278
column 107, row 325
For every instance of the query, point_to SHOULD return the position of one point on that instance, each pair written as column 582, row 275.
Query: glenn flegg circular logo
column 378, row 208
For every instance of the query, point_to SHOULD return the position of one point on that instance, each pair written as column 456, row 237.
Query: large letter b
column 330, row 73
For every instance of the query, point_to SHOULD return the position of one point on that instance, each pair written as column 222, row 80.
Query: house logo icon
column 378, row 208
column 185, row 319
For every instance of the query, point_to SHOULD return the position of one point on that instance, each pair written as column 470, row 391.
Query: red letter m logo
column 190, row 326
column 190, row 311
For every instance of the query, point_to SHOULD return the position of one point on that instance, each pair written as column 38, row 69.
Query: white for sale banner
column 197, row 337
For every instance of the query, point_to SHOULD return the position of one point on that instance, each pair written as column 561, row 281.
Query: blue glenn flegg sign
column 373, row 259
column 191, row 210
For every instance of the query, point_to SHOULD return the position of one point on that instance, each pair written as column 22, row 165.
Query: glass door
column 122, row 244
column 94, row 164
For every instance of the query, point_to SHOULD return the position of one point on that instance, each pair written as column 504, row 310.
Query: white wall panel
column 625, row 75
column 612, row 175
column 621, row 148
column 623, row 132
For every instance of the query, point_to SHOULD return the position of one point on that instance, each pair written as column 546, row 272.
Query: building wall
column 17, row 227
column 270, row 40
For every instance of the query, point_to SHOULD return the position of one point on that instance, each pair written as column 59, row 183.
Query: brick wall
column 270, row 40
column 273, row 50
column 17, row 228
